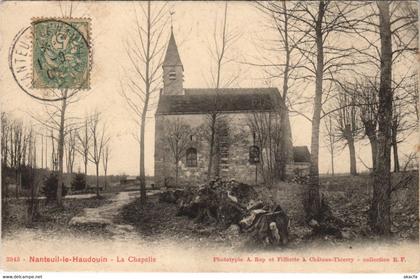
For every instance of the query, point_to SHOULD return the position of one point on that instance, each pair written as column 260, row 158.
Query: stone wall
column 240, row 138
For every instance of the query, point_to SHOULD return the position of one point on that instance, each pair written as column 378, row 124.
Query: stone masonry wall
column 240, row 138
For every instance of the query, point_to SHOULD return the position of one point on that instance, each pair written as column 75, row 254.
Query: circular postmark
column 50, row 57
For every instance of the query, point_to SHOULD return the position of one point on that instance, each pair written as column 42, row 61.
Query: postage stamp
column 61, row 53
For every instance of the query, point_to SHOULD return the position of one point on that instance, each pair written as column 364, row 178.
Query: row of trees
column 325, row 42
column 18, row 149
column 24, row 147
column 354, row 116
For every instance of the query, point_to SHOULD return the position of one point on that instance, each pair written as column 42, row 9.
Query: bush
column 50, row 187
column 79, row 181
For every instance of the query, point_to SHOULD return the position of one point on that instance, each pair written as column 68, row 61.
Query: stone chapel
column 242, row 149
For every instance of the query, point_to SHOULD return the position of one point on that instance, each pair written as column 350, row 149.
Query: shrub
column 79, row 181
column 50, row 187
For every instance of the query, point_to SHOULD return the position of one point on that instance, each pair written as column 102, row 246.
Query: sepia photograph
column 209, row 136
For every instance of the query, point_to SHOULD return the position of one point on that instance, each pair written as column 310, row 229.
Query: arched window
column 191, row 157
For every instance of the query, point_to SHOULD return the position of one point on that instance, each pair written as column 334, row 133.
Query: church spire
column 173, row 70
column 172, row 55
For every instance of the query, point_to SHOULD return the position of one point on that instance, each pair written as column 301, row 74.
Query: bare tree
column 5, row 130
column 105, row 162
column 84, row 145
column 380, row 215
column 71, row 151
column 319, row 22
column 99, row 141
column 331, row 139
column 34, row 178
column 288, row 38
column 18, row 152
column 222, row 43
column 267, row 129
column 347, row 126
column 367, row 95
column 404, row 117
column 145, row 51
column 178, row 137
column 387, row 30
column 57, row 120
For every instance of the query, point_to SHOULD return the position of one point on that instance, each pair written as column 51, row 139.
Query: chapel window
column 191, row 156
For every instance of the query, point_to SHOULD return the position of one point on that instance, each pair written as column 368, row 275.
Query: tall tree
column 390, row 34
column 58, row 121
column 331, row 139
column 145, row 52
column 320, row 23
column 99, row 142
column 71, row 151
column 367, row 97
column 347, row 126
column 380, row 215
column 84, row 145
column 5, row 130
column 105, row 162
column 222, row 42
column 288, row 37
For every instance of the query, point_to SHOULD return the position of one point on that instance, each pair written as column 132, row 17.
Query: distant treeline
column 12, row 176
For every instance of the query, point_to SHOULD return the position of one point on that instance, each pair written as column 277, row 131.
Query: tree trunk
column 332, row 159
column 395, row 151
column 97, row 179
column 86, row 162
column 142, row 170
column 313, row 202
column 374, row 148
column 60, row 150
column 352, row 151
column 211, row 147
column 348, row 135
column 379, row 215
column 176, row 173
column 284, row 136
column 144, row 112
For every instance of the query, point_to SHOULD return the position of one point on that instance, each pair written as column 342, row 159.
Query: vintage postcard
column 226, row 136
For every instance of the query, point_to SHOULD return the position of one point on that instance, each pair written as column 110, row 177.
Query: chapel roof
column 172, row 55
column 228, row 100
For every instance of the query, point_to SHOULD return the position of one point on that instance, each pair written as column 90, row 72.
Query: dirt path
column 105, row 217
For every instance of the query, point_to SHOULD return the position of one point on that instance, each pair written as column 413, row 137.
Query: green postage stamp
column 61, row 53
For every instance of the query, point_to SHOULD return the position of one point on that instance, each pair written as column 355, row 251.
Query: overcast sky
column 193, row 28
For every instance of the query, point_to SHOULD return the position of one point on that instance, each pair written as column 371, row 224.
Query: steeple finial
column 172, row 56
column 172, row 26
